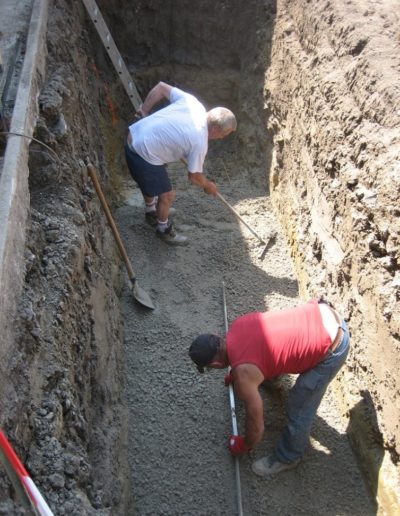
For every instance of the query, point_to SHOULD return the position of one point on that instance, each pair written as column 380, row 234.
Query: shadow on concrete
column 328, row 471
column 366, row 441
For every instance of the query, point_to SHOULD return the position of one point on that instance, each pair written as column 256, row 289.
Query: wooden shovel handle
column 92, row 173
column 240, row 218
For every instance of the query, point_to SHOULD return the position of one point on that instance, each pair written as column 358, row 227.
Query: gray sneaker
column 271, row 466
column 151, row 217
column 171, row 237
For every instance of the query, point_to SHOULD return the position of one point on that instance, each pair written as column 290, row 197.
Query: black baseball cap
column 203, row 349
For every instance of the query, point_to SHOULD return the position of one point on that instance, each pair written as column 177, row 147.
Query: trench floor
column 179, row 421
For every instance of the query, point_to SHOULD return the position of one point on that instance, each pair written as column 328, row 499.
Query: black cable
column 33, row 139
column 5, row 133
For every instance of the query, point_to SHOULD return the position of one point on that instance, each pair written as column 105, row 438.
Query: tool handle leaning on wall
column 139, row 294
column 92, row 173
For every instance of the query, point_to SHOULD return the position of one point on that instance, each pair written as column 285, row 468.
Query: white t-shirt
column 174, row 132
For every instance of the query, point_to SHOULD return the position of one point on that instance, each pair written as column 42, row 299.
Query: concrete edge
column 14, row 189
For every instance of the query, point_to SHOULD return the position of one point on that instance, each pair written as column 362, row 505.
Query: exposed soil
column 102, row 402
column 335, row 184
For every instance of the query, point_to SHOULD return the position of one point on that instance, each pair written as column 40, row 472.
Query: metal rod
column 241, row 218
column 233, row 416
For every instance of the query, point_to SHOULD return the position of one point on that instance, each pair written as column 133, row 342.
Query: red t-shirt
column 287, row 341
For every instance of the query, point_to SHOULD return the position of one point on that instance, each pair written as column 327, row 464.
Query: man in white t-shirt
column 179, row 131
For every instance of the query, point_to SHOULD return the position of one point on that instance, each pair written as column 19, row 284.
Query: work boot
column 270, row 465
column 151, row 217
column 171, row 237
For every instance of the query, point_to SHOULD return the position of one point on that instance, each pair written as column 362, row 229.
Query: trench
column 179, row 421
column 119, row 421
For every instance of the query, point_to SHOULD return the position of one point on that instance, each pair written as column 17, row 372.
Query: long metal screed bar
column 233, row 416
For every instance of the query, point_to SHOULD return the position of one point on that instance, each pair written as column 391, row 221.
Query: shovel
column 139, row 294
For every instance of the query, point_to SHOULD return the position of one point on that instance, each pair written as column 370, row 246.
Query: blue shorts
column 151, row 179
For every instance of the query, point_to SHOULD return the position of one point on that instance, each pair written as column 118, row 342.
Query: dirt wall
column 333, row 96
column 62, row 402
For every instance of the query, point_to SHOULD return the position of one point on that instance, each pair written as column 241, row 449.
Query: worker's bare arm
column 198, row 179
column 161, row 91
column 247, row 378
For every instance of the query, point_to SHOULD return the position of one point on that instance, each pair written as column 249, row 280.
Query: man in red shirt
column 310, row 340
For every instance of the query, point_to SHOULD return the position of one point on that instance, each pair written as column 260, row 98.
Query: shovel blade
column 142, row 296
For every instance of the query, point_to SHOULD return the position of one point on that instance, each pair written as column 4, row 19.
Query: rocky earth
column 335, row 184
column 102, row 403
column 61, row 397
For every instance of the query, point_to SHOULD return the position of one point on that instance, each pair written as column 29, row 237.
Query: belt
column 336, row 340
